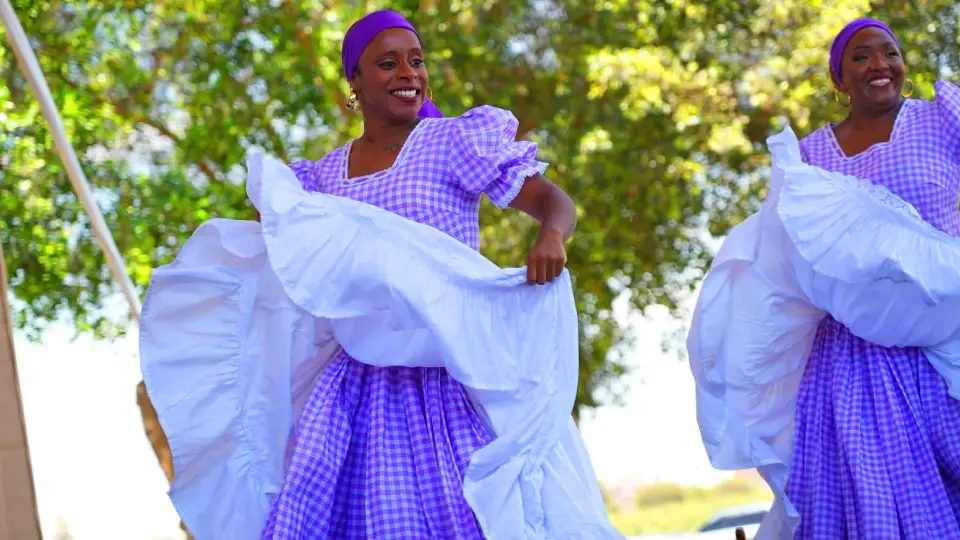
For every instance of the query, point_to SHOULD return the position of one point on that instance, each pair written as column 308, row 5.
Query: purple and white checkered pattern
column 441, row 172
column 381, row 452
column 877, row 450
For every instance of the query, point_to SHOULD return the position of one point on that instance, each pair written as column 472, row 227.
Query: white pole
column 31, row 69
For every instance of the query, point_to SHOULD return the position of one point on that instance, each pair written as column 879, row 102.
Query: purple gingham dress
column 877, row 451
column 381, row 452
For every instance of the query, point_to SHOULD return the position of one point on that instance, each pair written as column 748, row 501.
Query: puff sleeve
column 487, row 158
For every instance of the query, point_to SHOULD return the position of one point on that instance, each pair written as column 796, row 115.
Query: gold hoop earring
column 353, row 102
column 429, row 93
column 836, row 96
column 910, row 92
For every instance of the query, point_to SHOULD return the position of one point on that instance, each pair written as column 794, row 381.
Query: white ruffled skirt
column 238, row 329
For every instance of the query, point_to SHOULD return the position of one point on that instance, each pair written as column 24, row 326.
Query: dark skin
column 872, row 74
column 391, row 63
column 391, row 82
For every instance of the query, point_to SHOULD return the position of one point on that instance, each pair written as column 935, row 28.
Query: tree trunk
column 157, row 438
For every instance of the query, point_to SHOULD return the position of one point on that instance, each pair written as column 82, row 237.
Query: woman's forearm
column 547, row 203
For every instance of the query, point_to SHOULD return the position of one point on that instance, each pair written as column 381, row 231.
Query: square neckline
column 345, row 178
column 835, row 143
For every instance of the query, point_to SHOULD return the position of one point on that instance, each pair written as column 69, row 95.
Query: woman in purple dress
column 878, row 436
column 826, row 341
column 352, row 367
column 380, row 452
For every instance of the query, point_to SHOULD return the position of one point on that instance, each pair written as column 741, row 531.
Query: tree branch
column 277, row 142
column 307, row 44
column 137, row 117
column 165, row 131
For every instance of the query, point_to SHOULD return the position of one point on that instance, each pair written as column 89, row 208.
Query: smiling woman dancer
column 826, row 339
column 401, row 437
column 445, row 411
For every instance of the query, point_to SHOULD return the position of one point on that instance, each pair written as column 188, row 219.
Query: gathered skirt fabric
column 877, row 443
column 380, row 453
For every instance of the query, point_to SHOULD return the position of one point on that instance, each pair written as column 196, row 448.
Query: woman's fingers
column 541, row 270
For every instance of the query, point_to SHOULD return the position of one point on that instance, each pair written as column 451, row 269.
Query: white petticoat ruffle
column 821, row 243
column 236, row 331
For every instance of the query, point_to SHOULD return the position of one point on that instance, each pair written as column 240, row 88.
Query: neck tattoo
column 392, row 147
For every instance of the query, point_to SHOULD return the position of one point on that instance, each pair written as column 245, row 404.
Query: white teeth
column 405, row 93
column 880, row 82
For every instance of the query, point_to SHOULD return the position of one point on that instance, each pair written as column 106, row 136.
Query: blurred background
column 653, row 115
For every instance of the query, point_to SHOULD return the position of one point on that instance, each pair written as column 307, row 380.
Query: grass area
column 667, row 508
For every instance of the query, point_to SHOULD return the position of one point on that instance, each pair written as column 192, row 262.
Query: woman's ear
column 355, row 81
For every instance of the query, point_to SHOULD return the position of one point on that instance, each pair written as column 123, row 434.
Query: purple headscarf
column 362, row 32
column 843, row 38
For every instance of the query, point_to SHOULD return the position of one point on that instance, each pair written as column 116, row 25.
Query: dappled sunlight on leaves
column 652, row 115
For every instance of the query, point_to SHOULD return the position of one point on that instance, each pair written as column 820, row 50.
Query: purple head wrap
column 843, row 38
column 362, row 32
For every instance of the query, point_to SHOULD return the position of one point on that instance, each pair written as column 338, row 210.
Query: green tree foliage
column 652, row 113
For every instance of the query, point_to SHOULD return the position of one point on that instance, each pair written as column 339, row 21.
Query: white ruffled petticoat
column 236, row 331
column 821, row 243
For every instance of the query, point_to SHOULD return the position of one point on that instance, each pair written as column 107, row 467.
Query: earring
column 429, row 93
column 353, row 102
column 836, row 96
column 909, row 92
